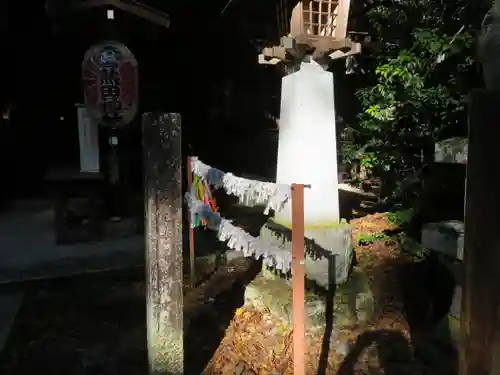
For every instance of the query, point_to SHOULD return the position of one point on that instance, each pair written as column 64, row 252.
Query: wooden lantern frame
column 311, row 27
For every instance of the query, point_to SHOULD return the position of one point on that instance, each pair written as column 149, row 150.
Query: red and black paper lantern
column 110, row 83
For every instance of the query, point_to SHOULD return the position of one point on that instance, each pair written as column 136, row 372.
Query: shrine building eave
column 137, row 8
column 133, row 7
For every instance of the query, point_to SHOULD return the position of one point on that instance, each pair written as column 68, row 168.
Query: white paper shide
column 250, row 193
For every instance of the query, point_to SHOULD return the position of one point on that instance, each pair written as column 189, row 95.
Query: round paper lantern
column 110, row 83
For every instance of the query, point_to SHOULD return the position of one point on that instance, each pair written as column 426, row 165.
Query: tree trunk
column 163, row 206
column 480, row 318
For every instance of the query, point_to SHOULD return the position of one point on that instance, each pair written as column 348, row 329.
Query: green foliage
column 401, row 218
column 418, row 75
column 365, row 239
column 412, row 247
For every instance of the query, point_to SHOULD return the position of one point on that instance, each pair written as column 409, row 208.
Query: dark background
column 204, row 66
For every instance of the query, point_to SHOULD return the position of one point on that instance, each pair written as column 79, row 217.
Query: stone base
column 449, row 327
column 353, row 301
column 325, row 249
column 437, row 350
column 446, row 237
column 208, row 263
column 454, row 328
column 453, row 150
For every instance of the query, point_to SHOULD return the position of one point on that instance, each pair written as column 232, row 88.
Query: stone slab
column 446, row 237
column 453, row 150
column 323, row 247
column 9, row 306
column 28, row 250
column 353, row 302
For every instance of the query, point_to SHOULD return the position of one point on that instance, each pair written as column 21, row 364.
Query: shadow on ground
column 81, row 325
column 389, row 348
column 96, row 324
column 427, row 288
column 209, row 322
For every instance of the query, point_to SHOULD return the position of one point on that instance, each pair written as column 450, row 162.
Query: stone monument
column 307, row 154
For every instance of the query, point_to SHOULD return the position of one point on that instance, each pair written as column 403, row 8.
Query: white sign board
column 89, row 141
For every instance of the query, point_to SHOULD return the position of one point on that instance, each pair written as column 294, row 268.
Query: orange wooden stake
column 298, row 279
column 192, row 273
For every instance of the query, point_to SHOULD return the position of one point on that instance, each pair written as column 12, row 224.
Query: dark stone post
column 163, row 209
column 480, row 318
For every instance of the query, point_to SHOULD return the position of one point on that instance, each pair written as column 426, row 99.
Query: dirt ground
column 96, row 324
column 391, row 344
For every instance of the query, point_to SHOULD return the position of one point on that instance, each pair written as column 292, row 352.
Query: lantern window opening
column 319, row 17
column 110, row 14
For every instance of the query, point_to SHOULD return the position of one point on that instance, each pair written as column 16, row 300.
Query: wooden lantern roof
column 311, row 27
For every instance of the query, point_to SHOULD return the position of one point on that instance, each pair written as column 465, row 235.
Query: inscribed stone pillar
column 307, row 154
column 163, row 203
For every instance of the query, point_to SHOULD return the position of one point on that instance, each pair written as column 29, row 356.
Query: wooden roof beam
column 133, row 7
column 319, row 47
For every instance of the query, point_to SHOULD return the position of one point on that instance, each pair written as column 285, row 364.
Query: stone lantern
column 313, row 32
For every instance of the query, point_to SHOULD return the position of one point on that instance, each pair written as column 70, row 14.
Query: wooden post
column 480, row 318
column 163, row 206
column 298, row 279
column 192, row 271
